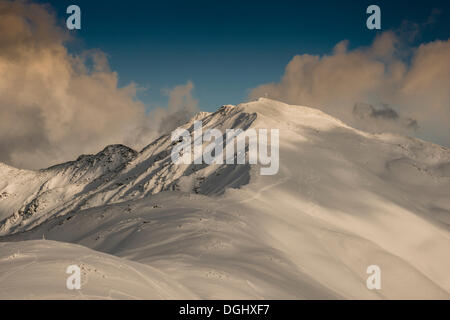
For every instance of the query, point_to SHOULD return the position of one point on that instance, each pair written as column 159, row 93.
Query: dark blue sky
column 228, row 47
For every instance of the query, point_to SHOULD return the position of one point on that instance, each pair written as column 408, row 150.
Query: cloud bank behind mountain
column 405, row 88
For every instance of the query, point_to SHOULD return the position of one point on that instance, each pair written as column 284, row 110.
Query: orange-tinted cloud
column 54, row 107
column 406, row 94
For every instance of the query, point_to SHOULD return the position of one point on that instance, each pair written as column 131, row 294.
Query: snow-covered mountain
column 114, row 175
column 342, row 200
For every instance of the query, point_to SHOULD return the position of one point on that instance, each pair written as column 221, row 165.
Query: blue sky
column 228, row 47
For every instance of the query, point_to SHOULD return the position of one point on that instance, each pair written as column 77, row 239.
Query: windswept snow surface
column 37, row 270
column 342, row 200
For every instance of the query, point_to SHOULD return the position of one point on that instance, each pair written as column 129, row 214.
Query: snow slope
column 342, row 200
column 39, row 273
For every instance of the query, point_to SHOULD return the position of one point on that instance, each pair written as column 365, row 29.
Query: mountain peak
column 109, row 151
column 117, row 149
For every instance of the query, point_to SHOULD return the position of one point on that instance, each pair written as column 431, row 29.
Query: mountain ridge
column 119, row 173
